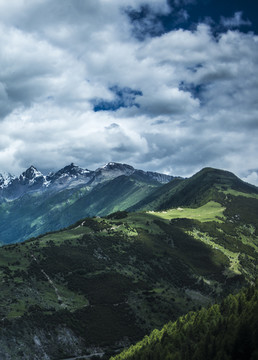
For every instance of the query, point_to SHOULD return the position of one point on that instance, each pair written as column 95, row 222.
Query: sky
column 163, row 85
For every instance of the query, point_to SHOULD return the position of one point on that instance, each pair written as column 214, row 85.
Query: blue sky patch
column 219, row 14
column 124, row 98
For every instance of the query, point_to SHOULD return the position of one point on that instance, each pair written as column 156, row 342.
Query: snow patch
column 6, row 179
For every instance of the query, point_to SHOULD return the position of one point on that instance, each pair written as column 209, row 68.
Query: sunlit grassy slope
column 212, row 211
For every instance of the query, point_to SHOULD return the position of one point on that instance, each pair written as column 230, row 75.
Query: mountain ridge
column 32, row 180
column 207, row 184
column 78, row 193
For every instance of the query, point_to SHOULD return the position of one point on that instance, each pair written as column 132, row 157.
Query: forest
column 224, row 331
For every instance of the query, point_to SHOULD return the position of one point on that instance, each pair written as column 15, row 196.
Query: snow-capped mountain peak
column 71, row 170
column 115, row 167
column 5, row 179
column 111, row 165
column 31, row 177
column 31, row 173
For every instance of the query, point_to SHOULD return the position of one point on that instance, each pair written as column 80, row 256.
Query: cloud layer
column 78, row 84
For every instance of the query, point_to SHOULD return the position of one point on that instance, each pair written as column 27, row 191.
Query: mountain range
column 33, row 203
column 70, row 176
column 154, row 253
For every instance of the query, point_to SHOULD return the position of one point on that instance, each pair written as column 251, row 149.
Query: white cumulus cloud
column 176, row 101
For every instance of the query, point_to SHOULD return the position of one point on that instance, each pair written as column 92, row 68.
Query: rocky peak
column 31, row 173
column 70, row 170
column 117, row 166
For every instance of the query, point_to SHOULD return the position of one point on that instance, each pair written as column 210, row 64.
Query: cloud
column 144, row 22
column 252, row 178
column 235, row 21
column 47, row 135
column 112, row 126
column 78, row 85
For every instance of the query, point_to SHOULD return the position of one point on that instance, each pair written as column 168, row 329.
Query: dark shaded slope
column 119, row 194
column 100, row 283
column 226, row 331
column 208, row 184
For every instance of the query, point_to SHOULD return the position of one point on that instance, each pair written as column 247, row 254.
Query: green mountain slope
column 227, row 331
column 103, row 283
column 119, row 194
column 38, row 213
column 106, row 282
column 208, row 184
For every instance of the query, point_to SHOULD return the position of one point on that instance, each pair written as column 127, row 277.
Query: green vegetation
column 226, row 331
column 207, row 185
column 107, row 281
column 212, row 211
column 239, row 193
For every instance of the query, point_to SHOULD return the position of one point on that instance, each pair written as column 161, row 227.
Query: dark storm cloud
column 145, row 82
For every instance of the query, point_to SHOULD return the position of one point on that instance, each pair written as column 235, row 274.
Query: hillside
column 208, row 184
column 225, row 331
column 101, row 284
column 104, row 283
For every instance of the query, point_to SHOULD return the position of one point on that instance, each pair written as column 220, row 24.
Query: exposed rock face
column 40, row 344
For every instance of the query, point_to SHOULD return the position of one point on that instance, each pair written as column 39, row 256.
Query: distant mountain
column 70, row 176
column 33, row 203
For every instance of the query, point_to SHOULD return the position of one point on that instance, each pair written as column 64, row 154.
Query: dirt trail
column 59, row 298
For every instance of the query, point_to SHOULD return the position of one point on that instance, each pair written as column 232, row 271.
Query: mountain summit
column 206, row 185
column 31, row 173
column 31, row 176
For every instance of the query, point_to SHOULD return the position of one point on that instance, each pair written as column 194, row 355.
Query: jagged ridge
column 70, row 176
